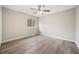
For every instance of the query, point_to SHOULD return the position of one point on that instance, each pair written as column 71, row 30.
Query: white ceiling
column 26, row 8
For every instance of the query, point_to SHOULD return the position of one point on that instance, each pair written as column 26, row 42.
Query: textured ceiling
column 26, row 8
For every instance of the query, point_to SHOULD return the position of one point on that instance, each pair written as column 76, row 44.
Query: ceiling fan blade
column 33, row 8
column 34, row 12
column 46, row 10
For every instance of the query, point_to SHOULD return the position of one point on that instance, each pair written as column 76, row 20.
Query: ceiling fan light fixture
column 40, row 12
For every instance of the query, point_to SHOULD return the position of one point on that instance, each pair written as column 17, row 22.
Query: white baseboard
column 61, row 38
column 17, row 38
column 77, row 44
column 13, row 39
column 56, row 37
column 42, row 34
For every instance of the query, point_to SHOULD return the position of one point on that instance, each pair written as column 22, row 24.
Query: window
column 31, row 23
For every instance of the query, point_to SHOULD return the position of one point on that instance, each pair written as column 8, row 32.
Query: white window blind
column 31, row 23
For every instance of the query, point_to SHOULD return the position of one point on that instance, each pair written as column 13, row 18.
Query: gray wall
column 77, row 25
column 59, row 25
column 14, row 25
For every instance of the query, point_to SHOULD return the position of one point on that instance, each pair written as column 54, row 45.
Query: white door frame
column 0, row 25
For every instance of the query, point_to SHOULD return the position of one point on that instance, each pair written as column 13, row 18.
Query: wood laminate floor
column 39, row 45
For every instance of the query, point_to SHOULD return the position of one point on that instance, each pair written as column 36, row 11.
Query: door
column 0, row 25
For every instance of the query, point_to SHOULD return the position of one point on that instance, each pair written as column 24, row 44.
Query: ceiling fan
column 40, row 10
